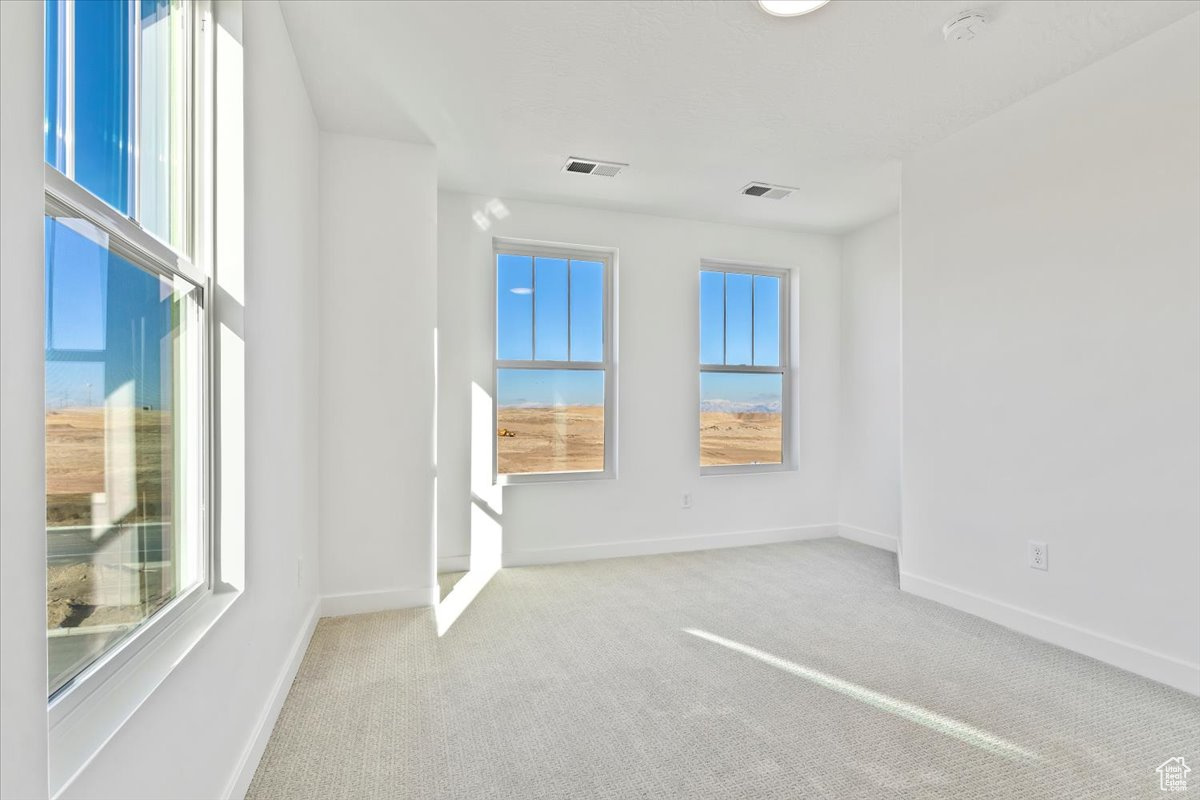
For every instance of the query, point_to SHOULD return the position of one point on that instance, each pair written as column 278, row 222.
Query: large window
column 743, row 368
column 125, row 339
column 554, row 381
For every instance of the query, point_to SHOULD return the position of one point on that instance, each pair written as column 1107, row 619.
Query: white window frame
column 784, row 369
column 126, row 237
column 608, row 257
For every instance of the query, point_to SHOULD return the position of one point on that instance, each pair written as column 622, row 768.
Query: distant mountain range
column 735, row 407
column 543, row 404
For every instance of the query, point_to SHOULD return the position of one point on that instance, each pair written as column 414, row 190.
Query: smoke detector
column 964, row 26
column 767, row 190
column 590, row 166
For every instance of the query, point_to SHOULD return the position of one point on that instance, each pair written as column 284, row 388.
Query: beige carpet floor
column 780, row 671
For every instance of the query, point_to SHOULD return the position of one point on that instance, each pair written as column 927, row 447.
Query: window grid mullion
column 550, row 366
column 65, row 197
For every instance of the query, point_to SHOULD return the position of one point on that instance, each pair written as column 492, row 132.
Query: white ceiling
column 698, row 97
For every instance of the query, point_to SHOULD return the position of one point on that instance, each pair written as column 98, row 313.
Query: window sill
column 525, row 479
column 744, row 469
column 83, row 719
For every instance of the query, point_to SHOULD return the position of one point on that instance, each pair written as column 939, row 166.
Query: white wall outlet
column 687, row 500
column 1039, row 555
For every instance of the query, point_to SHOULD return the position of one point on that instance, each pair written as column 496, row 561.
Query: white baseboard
column 1134, row 658
column 341, row 605
column 453, row 564
column 244, row 773
column 680, row 544
column 883, row 541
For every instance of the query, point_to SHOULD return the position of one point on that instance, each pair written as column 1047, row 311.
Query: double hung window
column 554, row 376
column 744, row 386
column 126, row 353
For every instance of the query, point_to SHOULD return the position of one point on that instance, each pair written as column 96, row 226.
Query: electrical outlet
column 687, row 500
column 1039, row 555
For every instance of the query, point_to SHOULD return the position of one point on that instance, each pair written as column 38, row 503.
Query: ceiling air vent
column 589, row 166
column 766, row 190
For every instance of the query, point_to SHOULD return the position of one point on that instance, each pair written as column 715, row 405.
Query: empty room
column 531, row 399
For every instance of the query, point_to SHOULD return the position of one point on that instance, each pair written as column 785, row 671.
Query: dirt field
column 75, row 463
column 568, row 439
column 72, row 589
column 740, row 438
column 75, row 444
column 572, row 439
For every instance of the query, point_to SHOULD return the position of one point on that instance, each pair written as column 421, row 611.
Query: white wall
column 378, row 315
column 22, row 408
column 658, row 387
column 179, row 743
column 869, row 453
column 1052, row 361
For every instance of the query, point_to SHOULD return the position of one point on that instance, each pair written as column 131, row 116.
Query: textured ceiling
column 698, row 97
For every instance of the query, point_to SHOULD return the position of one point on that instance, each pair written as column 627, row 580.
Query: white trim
column 453, row 563
column 239, row 783
column 679, row 544
column 341, row 605
column 884, row 541
column 1134, row 658
column 80, row 733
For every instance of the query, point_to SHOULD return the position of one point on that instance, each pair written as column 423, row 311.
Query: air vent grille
column 766, row 190
column 590, row 166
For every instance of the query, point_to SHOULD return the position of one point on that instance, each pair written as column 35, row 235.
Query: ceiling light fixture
column 790, row 8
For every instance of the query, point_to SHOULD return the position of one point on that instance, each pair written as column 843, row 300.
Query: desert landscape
column 571, row 439
column 75, row 442
column 740, row 437
column 558, row 439
column 75, row 447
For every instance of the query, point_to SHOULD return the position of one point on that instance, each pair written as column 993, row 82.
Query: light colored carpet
column 806, row 674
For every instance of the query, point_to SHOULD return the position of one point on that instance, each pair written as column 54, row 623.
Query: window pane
column 514, row 307
column 123, row 437
column 162, row 144
column 549, row 420
column 104, row 101
column 766, row 320
column 712, row 317
column 587, row 311
column 738, row 313
column 550, row 309
column 741, row 418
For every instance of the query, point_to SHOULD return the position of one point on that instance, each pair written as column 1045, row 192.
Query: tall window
column 126, row 536
column 743, row 368
column 554, row 380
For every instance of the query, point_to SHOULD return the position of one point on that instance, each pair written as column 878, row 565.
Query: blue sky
column 739, row 319
column 105, row 318
column 106, row 321
column 739, row 325
column 549, row 309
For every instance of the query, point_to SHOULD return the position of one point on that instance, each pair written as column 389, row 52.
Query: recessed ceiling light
column 790, row 8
